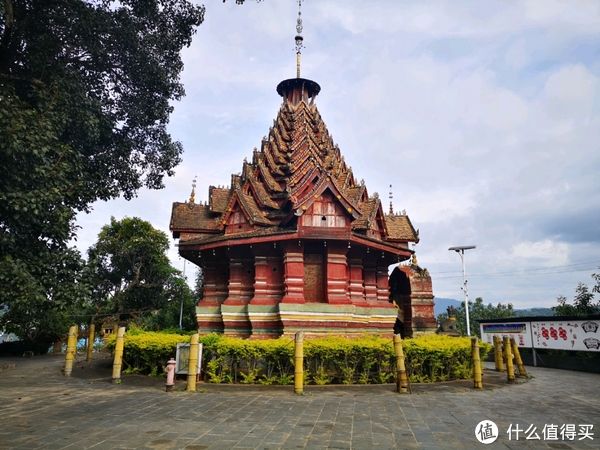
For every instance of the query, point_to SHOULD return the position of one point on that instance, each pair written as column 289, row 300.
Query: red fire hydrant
column 170, row 369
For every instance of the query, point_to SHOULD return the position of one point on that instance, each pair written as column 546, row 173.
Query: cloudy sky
column 484, row 116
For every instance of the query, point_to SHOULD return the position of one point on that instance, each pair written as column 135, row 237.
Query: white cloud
column 484, row 117
column 546, row 253
column 571, row 92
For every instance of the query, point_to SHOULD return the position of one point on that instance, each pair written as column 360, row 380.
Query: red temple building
column 297, row 243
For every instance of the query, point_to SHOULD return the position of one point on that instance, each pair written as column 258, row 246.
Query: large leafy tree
column 179, row 302
column 129, row 270
column 584, row 302
column 85, row 93
column 478, row 310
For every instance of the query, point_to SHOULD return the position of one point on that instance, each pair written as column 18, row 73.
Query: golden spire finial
column 391, row 198
column 299, row 39
column 192, row 199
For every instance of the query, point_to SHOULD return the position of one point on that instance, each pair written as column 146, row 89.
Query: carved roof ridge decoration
column 267, row 177
column 280, row 143
column 268, row 152
column 301, row 174
column 261, row 194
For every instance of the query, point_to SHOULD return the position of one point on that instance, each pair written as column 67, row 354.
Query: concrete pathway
column 39, row 408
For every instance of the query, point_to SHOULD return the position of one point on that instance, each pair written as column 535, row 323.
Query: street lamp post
column 461, row 252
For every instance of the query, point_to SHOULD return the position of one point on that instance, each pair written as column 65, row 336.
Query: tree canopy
column 129, row 266
column 85, row 97
column 131, row 276
column 478, row 311
column 583, row 302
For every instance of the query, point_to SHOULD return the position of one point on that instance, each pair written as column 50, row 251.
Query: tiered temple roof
column 297, row 161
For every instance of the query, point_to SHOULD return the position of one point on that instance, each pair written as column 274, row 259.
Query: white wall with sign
column 582, row 335
column 521, row 331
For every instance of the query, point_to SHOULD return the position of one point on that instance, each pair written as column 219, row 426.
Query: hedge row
column 327, row 360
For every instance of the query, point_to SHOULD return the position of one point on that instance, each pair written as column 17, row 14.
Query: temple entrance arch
column 400, row 294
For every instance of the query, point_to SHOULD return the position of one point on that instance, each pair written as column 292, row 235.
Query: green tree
column 177, row 292
column 478, row 311
column 44, row 299
column 85, row 97
column 128, row 268
column 583, row 302
column 131, row 277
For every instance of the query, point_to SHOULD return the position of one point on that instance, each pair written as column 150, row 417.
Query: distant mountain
column 441, row 304
column 534, row 312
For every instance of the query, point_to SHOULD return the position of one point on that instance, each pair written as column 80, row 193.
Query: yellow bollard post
column 401, row 377
column 71, row 350
column 510, row 368
column 118, row 361
column 192, row 364
column 90, row 343
column 498, row 354
column 518, row 360
column 477, row 375
column 299, row 363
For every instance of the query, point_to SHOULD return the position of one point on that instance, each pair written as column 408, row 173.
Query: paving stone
column 39, row 408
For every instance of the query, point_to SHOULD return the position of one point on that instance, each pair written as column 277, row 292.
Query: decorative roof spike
column 192, row 199
column 299, row 39
column 391, row 199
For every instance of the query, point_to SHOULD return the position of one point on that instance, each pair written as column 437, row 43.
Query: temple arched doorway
column 400, row 294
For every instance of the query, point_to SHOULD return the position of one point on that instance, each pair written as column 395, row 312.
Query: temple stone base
column 209, row 319
column 265, row 321
column 236, row 321
column 285, row 319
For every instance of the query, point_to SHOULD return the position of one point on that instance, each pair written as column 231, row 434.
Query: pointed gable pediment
column 377, row 226
column 243, row 213
column 326, row 210
column 319, row 188
column 236, row 219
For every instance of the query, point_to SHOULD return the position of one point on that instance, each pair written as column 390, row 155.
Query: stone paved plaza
column 39, row 408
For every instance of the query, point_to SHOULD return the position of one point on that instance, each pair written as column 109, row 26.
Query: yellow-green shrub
column 147, row 352
column 330, row 359
column 435, row 357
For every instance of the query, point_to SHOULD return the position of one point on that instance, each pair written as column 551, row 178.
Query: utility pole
column 461, row 252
